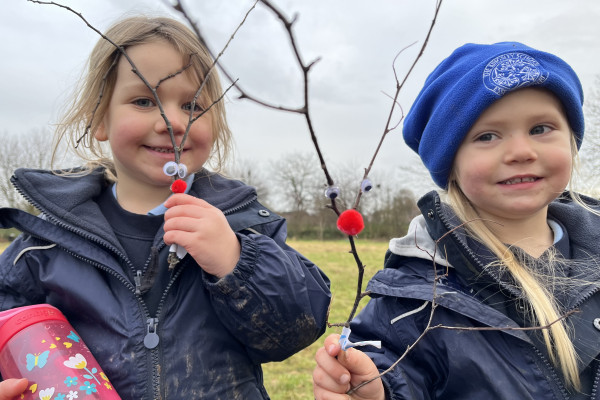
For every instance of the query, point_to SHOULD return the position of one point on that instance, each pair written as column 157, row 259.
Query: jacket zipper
column 555, row 377
column 152, row 338
column 240, row 206
column 149, row 321
column 595, row 384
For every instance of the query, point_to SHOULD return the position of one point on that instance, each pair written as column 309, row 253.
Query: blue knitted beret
column 469, row 81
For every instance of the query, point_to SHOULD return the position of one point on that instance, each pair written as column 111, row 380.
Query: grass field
column 292, row 378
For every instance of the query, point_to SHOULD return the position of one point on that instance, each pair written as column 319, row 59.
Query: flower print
column 108, row 385
column 104, row 377
column 72, row 395
column 89, row 387
column 60, row 396
column 71, row 381
column 46, row 394
column 77, row 362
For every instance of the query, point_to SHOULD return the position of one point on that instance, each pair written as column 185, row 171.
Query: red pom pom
column 178, row 186
column 350, row 222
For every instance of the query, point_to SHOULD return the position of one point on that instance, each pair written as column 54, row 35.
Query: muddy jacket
column 214, row 333
column 485, row 364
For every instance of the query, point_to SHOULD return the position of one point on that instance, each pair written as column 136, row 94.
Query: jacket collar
column 68, row 200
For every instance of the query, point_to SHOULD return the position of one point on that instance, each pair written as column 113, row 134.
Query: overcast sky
column 44, row 48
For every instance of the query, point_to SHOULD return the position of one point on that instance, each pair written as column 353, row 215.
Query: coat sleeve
column 275, row 301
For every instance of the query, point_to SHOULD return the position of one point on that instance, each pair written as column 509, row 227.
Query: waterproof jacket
column 500, row 364
column 213, row 333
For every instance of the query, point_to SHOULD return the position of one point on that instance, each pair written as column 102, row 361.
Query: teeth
column 162, row 150
column 519, row 180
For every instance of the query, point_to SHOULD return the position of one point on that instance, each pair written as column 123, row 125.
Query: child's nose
column 520, row 148
column 175, row 118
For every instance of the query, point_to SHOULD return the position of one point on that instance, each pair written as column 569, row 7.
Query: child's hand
column 203, row 231
column 334, row 376
column 11, row 389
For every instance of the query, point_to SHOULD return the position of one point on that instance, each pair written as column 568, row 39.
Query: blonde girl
column 509, row 258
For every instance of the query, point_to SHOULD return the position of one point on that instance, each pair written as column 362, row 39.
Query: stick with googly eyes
column 176, row 252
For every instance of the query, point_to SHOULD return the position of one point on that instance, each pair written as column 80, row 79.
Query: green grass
column 292, row 379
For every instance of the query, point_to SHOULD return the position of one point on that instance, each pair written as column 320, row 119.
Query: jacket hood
column 418, row 243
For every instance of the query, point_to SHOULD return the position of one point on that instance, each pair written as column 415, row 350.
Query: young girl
column 238, row 298
column 509, row 261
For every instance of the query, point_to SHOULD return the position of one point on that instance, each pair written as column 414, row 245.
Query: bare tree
column 31, row 150
column 251, row 173
column 296, row 179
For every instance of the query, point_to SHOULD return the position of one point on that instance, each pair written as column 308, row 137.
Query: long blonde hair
column 90, row 100
column 541, row 302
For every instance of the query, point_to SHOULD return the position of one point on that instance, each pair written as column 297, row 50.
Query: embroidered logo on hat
column 511, row 71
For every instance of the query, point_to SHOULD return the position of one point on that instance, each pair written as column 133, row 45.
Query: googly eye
column 366, row 185
column 182, row 172
column 332, row 192
column 170, row 168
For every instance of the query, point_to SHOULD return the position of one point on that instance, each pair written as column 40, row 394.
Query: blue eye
column 540, row 129
column 486, row 137
column 144, row 103
column 188, row 106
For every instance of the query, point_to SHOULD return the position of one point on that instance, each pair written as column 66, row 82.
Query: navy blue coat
column 502, row 364
column 214, row 334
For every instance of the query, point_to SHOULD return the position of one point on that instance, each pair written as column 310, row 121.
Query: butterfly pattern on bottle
column 77, row 386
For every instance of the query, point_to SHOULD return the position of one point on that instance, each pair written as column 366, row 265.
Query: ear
column 101, row 135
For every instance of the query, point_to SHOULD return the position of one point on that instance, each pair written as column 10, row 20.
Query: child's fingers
column 329, row 374
column 322, row 394
column 355, row 361
column 332, row 344
column 179, row 199
column 331, row 380
column 345, row 369
column 12, row 388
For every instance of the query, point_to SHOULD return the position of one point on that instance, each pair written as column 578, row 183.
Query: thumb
column 354, row 360
column 12, row 388
column 358, row 364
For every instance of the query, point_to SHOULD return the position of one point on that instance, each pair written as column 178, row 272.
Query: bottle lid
column 14, row 320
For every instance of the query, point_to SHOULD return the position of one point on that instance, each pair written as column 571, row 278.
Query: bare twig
column 388, row 128
column 305, row 68
column 399, row 85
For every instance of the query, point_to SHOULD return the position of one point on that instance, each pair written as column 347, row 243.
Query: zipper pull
column 138, row 282
column 151, row 339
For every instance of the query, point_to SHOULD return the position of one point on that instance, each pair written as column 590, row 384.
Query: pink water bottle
column 38, row 343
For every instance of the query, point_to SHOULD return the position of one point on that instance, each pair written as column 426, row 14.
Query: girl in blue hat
column 495, row 290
